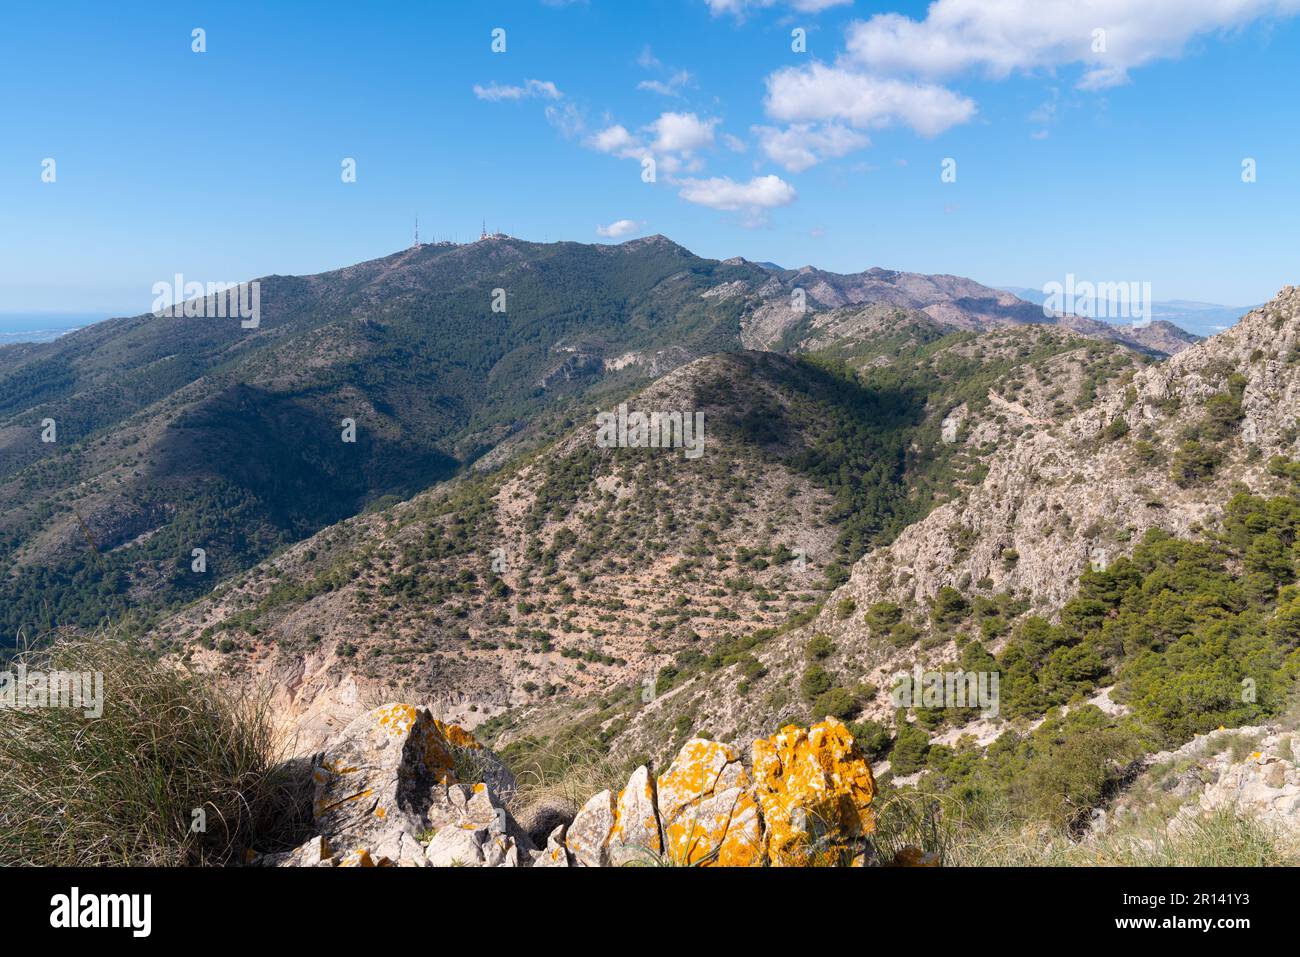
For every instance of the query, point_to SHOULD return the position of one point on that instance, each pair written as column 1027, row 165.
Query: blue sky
column 1119, row 165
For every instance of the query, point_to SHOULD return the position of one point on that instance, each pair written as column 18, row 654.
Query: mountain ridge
column 169, row 425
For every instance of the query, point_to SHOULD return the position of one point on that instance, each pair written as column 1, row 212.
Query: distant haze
column 1202, row 318
column 43, row 326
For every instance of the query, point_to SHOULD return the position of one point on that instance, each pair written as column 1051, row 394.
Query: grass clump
column 124, row 788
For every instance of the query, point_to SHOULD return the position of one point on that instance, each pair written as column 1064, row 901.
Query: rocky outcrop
column 388, row 791
column 815, row 790
column 636, row 831
column 807, row 801
column 391, row 790
column 1252, row 772
column 951, row 301
column 1060, row 498
column 588, row 838
column 709, row 809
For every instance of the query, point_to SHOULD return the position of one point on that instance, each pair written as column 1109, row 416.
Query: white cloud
column 670, row 87
column 821, row 93
column 531, row 89
column 567, row 118
column 1020, row 35
column 619, row 228
column 675, row 139
column 801, row 146
column 734, row 143
column 681, row 132
column 741, row 7
column 672, row 80
column 722, row 192
column 617, row 141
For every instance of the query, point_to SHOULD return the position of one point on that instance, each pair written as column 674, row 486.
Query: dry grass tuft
column 123, row 788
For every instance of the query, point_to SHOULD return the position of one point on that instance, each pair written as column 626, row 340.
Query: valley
column 910, row 474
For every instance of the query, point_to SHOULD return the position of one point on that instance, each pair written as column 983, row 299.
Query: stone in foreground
column 814, row 790
column 708, row 808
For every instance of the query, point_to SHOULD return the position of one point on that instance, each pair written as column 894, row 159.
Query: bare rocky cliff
column 1069, row 496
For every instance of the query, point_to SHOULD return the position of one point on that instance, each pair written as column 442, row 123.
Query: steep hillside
column 1134, row 562
column 577, row 571
column 183, row 433
column 580, row 562
column 365, row 385
column 1163, row 453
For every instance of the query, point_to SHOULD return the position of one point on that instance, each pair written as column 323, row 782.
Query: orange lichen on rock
column 588, row 835
column 395, row 719
column 814, row 788
column 457, row 736
column 320, row 808
column 635, row 835
column 708, row 809
column 358, row 858
column 436, row 743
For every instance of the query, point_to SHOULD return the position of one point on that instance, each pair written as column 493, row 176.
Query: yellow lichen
column 358, row 858
column 701, row 825
column 397, row 719
column 814, row 788
column 322, row 808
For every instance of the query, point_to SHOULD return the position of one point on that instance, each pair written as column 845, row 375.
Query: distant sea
column 43, row 326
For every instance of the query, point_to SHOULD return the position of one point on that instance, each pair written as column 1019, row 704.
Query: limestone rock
column 635, row 837
column 814, row 789
column 361, row 858
column 314, row 853
column 555, row 854
column 1215, row 773
column 588, row 836
column 479, row 833
column 1265, row 786
column 390, row 776
column 708, row 809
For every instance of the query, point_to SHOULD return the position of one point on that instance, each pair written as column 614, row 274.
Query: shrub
column 911, row 745
column 871, row 736
column 1194, row 462
column 882, row 617
column 816, row 681
column 904, row 634
column 820, row 647
column 836, row 703
column 950, row 608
